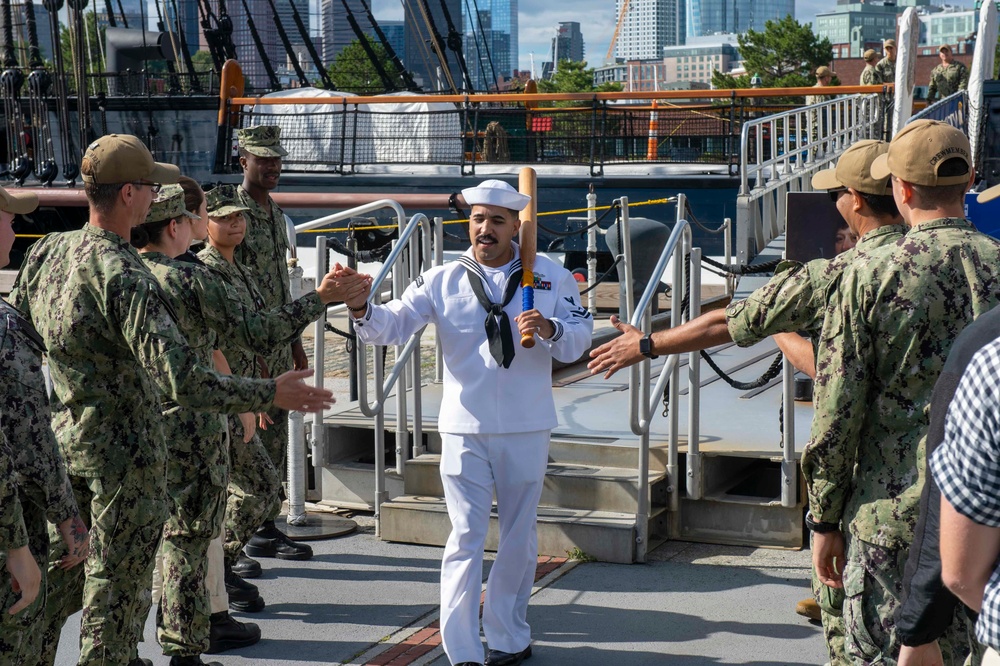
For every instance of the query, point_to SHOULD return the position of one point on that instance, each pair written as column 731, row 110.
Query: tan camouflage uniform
column 795, row 300
column 886, row 70
column 947, row 80
column 113, row 349
column 255, row 483
column 44, row 493
column 890, row 326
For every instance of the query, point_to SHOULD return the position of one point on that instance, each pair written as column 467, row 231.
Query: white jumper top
column 480, row 396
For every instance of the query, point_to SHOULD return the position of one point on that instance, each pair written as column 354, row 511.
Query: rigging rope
column 289, row 51
column 387, row 82
column 317, row 61
column 454, row 43
column 486, row 45
column 259, row 45
column 195, row 82
column 387, row 45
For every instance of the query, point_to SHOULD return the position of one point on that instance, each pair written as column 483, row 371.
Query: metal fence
column 351, row 134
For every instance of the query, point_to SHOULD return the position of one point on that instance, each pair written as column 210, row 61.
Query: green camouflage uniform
column 947, row 80
column 884, row 342
column 113, row 349
column 886, row 70
column 795, row 300
column 14, row 630
column 254, row 487
column 871, row 76
column 45, row 493
column 263, row 252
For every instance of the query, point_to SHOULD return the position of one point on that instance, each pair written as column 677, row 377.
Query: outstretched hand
column 295, row 395
column 620, row 353
column 343, row 284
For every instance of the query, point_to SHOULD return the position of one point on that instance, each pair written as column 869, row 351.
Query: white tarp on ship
column 318, row 137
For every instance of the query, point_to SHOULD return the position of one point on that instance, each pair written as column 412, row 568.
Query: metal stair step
column 605, row 535
column 570, row 486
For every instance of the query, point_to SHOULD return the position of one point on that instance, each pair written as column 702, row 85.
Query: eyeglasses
column 835, row 194
column 153, row 187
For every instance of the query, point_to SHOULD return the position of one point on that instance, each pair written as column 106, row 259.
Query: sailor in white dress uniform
column 496, row 413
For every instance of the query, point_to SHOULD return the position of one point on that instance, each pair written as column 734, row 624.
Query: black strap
column 497, row 322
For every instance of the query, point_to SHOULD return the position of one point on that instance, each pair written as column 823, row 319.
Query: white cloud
column 538, row 20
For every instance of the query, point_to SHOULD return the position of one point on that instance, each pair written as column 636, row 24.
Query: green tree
column 352, row 70
column 93, row 46
column 785, row 55
column 202, row 61
column 574, row 77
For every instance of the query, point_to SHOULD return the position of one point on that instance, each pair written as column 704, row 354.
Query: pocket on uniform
column 859, row 641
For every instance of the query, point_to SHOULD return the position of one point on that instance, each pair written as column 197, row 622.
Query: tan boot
column 808, row 608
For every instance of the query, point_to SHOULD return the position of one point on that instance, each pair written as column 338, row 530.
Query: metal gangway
column 767, row 175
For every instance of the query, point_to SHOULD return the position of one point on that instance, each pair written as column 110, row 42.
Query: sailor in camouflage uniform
column 886, row 67
column 40, row 491
column 114, row 349
column 871, row 76
column 891, row 324
column 793, row 301
column 263, row 253
column 947, row 78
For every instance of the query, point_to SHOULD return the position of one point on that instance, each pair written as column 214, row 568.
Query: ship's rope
column 495, row 143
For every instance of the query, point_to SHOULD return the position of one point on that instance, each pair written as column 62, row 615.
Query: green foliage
column 202, row 61
column 352, row 70
column 785, row 55
column 574, row 77
column 576, row 554
column 93, row 53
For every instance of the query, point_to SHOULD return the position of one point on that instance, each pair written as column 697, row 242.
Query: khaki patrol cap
column 223, row 200
column 919, row 149
column 169, row 204
column 854, row 170
column 823, row 70
column 869, row 55
column 19, row 203
column 262, row 141
column 889, row 42
column 122, row 158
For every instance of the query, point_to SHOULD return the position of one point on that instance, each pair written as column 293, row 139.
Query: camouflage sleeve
column 963, row 78
column 229, row 316
column 932, row 87
column 844, row 379
column 151, row 332
column 783, row 305
column 25, row 422
column 12, row 531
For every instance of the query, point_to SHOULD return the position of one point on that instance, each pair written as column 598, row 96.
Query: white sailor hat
column 495, row 193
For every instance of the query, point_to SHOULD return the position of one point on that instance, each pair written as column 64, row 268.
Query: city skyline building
column 250, row 56
column 568, row 43
column 714, row 17
column 420, row 58
column 647, row 27
column 335, row 28
column 491, row 41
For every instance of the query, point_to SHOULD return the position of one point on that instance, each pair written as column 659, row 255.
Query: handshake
column 346, row 285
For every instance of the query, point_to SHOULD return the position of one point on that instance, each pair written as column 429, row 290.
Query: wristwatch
column 646, row 347
column 818, row 527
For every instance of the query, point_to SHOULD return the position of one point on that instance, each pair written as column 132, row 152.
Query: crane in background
column 618, row 26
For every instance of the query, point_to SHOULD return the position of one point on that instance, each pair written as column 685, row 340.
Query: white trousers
column 472, row 467
column 991, row 658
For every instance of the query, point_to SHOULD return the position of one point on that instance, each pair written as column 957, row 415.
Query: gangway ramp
column 590, row 494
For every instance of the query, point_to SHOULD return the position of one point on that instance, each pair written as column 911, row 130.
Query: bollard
column 653, row 144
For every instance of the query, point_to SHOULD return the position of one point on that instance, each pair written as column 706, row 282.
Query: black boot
column 191, row 661
column 230, row 634
column 243, row 596
column 246, row 567
column 272, row 542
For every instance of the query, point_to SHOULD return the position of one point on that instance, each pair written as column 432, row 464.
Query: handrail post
column 727, row 236
column 625, row 288
column 591, row 251
column 402, row 432
column 438, row 260
column 694, row 474
column 789, row 467
column 319, row 360
column 642, row 473
column 674, row 391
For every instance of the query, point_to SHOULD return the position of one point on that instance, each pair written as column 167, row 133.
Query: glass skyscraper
column 490, row 40
column 709, row 17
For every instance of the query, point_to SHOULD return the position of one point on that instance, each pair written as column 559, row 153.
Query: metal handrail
column 678, row 247
column 403, row 249
column 787, row 148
